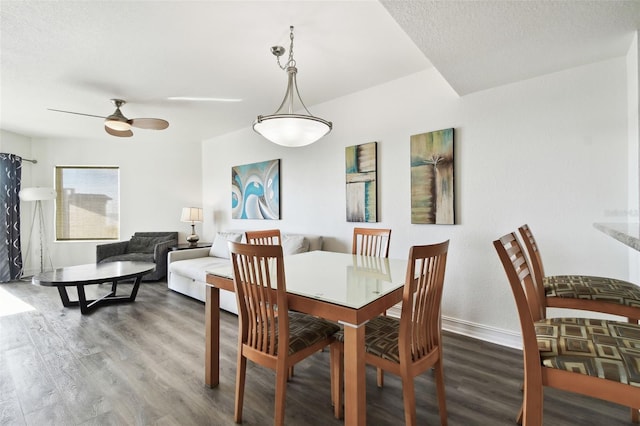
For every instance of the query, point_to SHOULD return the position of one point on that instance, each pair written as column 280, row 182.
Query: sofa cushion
column 197, row 268
column 139, row 244
column 315, row 242
column 294, row 244
column 220, row 247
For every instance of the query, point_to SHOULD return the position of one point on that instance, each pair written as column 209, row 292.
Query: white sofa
column 187, row 269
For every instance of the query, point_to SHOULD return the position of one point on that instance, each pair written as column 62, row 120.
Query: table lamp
column 193, row 215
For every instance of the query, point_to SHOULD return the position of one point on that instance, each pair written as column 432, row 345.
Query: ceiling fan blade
column 76, row 113
column 149, row 123
column 119, row 133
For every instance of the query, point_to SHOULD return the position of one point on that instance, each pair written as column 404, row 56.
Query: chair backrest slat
column 371, row 242
column 268, row 237
column 518, row 272
column 420, row 327
column 262, row 306
column 537, row 269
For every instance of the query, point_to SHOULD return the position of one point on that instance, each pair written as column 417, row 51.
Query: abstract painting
column 432, row 178
column 362, row 193
column 255, row 191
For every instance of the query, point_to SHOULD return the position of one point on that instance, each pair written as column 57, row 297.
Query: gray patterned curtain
column 10, row 252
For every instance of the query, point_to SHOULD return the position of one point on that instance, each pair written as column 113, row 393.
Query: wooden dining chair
column 412, row 344
column 371, row 242
column 583, row 292
column 593, row 357
column 273, row 341
column 268, row 237
column 264, row 237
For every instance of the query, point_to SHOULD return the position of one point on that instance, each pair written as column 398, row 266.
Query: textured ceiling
column 478, row 45
column 75, row 56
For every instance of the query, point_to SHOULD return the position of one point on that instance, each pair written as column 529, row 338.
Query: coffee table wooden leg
column 62, row 290
column 134, row 290
column 212, row 337
column 114, row 287
column 82, row 299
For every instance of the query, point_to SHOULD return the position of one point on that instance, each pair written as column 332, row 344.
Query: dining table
column 346, row 288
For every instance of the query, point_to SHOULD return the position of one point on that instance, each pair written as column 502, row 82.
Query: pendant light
column 286, row 127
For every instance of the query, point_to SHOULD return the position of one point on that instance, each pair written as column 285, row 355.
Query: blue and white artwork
column 255, row 191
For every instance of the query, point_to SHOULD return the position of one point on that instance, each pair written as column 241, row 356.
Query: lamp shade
column 191, row 214
column 37, row 194
column 292, row 130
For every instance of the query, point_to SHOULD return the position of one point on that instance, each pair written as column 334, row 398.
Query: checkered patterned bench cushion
column 598, row 348
column 593, row 288
column 381, row 337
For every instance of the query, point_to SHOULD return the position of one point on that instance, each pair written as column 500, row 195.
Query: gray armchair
column 142, row 247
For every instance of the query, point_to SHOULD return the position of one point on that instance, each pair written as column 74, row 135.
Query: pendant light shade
column 289, row 126
column 291, row 129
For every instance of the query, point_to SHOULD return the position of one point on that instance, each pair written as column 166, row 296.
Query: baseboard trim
column 482, row 332
column 474, row 330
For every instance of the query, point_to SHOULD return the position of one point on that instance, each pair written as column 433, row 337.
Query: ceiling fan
column 117, row 124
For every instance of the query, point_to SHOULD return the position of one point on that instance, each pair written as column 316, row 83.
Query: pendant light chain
column 290, row 62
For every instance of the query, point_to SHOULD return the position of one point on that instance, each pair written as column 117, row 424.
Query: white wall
column 550, row 152
column 156, row 181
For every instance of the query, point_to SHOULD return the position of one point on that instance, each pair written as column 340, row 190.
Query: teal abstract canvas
column 255, row 190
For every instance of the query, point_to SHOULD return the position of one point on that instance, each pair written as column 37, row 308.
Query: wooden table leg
column 64, row 296
column 355, row 397
column 212, row 337
column 134, row 290
column 82, row 300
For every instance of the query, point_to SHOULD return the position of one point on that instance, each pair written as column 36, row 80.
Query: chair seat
column 597, row 348
column 306, row 330
column 592, row 288
column 381, row 337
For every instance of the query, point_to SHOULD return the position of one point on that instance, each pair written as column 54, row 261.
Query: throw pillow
column 294, row 244
column 220, row 247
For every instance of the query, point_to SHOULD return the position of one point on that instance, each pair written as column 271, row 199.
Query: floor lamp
column 38, row 195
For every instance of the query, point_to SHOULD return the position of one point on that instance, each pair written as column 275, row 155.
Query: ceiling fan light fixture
column 117, row 123
column 286, row 127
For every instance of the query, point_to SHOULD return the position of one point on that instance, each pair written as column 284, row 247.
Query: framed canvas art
column 432, row 198
column 255, row 190
column 362, row 194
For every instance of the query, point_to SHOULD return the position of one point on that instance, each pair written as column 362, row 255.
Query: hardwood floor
column 143, row 364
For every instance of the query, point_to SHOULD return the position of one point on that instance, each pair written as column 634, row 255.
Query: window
column 87, row 203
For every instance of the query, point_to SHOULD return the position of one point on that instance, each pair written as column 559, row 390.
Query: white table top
column 340, row 278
